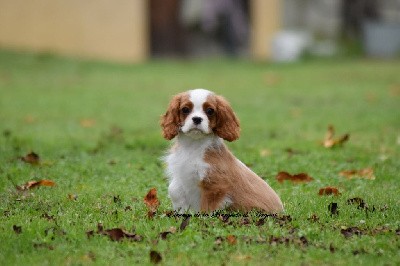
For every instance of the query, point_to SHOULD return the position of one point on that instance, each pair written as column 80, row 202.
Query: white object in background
column 288, row 46
column 381, row 39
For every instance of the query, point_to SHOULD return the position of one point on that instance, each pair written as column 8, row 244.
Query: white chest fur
column 186, row 168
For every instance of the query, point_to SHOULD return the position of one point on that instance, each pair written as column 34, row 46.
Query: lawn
column 95, row 127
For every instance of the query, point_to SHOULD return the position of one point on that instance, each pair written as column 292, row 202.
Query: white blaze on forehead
column 198, row 97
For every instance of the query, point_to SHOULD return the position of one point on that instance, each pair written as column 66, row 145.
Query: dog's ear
column 227, row 125
column 170, row 122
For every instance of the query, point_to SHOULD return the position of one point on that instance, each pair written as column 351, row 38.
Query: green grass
column 114, row 162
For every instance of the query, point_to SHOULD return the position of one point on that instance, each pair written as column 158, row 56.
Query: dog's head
column 198, row 113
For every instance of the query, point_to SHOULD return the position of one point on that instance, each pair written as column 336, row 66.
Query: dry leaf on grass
column 218, row 240
column 231, row 239
column 72, row 197
column 30, row 119
column 87, row 123
column 291, row 239
column 330, row 141
column 350, row 231
column 155, row 257
column 242, row 257
column 43, row 245
column 296, row 178
column 115, row 234
column 329, row 191
column 163, row 235
column 313, row 218
column 357, row 201
column 47, row 216
column 17, row 229
column 32, row 158
column 151, row 202
column 33, row 184
column 366, row 173
column 224, row 218
column 394, row 90
column 184, row 223
column 333, row 208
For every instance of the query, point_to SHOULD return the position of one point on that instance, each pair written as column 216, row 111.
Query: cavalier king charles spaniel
column 204, row 175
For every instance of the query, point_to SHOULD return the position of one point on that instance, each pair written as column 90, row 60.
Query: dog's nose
column 197, row 120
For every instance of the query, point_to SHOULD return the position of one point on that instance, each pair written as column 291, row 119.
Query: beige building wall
column 115, row 30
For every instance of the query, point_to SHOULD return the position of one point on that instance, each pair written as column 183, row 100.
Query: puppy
column 203, row 174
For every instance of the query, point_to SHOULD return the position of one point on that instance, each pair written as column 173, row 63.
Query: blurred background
column 134, row 31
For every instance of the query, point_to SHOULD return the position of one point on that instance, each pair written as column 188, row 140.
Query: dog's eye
column 209, row 111
column 185, row 110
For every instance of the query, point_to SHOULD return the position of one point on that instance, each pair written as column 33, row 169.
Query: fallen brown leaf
column 218, row 240
column 224, row 218
column 33, row 184
column 244, row 221
column 32, row 158
column 329, row 191
column 72, row 197
column 297, row 178
column 43, row 245
column 279, row 240
column 330, row 141
column 87, row 123
column 394, row 90
column 231, row 239
column 151, row 214
column 151, row 200
column 155, row 257
column 332, row 249
column 283, row 219
column 112, row 162
column 300, row 241
column 242, row 257
column 333, row 208
column 115, row 234
column 357, row 201
column 164, row 234
column 17, row 229
column 348, row 232
column 260, row 222
column 117, row 199
column 366, row 173
column 184, row 223
column 30, row 119
column 313, row 218
column 171, row 230
column 47, row 216
column 90, row 234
